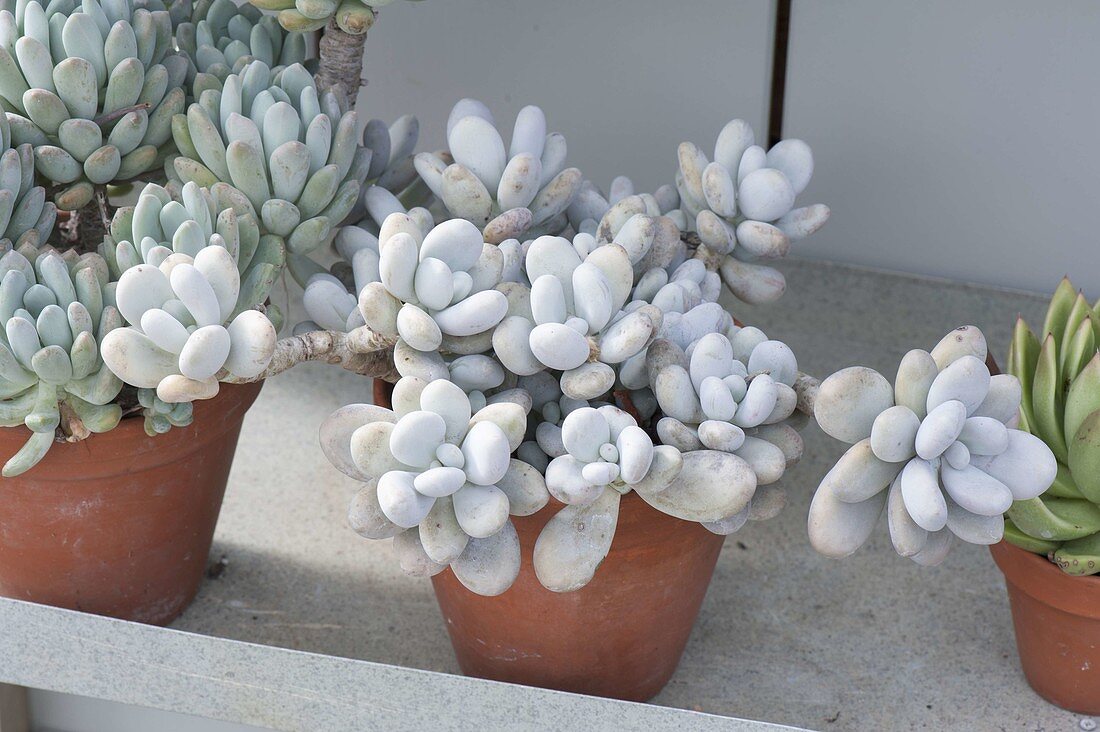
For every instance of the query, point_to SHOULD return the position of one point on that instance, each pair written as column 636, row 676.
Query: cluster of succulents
column 561, row 340
column 93, row 87
column 936, row 449
column 221, row 37
column 741, row 205
column 292, row 152
column 523, row 190
column 57, row 314
column 1059, row 372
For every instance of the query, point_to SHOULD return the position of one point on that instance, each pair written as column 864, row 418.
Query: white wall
column 624, row 80
column 953, row 139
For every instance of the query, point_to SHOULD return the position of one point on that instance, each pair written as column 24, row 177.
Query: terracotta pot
column 620, row 636
column 120, row 524
column 1057, row 621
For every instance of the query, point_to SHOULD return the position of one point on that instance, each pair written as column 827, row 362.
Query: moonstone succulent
column 742, row 206
column 521, row 190
column 935, row 449
column 183, row 335
column 439, row 477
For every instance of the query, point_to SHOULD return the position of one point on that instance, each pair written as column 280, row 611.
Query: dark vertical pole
column 779, row 70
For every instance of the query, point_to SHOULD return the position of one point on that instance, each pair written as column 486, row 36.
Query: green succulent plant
column 92, row 86
column 221, row 38
column 293, row 153
column 26, row 217
column 1059, row 373
column 56, row 310
column 162, row 224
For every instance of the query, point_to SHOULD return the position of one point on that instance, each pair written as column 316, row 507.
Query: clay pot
column 1057, row 621
column 120, row 524
column 620, row 636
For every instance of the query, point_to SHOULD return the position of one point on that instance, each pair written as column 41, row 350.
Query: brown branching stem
column 341, row 63
column 361, row 351
column 86, row 227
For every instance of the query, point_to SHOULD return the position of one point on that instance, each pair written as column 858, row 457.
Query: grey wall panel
column 952, row 139
column 624, row 80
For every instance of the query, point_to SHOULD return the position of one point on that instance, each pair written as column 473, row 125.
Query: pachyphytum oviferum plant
column 1059, row 371
column 544, row 360
column 937, row 449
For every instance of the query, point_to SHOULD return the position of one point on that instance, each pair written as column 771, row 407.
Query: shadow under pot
column 120, row 524
column 620, row 636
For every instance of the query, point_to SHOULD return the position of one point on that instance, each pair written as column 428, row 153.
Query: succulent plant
column 742, row 205
column 577, row 322
column 425, row 286
column 183, row 335
column 55, row 316
column 292, row 153
column 935, row 449
column 590, row 205
column 158, row 228
column 524, row 190
column 726, row 388
column 1059, row 371
column 440, row 479
column 92, row 86
column 26, row 217
column 221, row 37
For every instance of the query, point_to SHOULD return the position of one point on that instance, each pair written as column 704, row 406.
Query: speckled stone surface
column 871, row 642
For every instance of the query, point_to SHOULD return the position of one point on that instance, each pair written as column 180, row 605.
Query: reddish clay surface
column 1057, row 620
column 120, row 524
column 620, row 636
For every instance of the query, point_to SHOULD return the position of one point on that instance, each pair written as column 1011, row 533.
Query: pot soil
column 120, row 524
column 1057, row 622
column 619, row 636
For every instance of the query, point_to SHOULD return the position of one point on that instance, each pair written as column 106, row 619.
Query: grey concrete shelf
column 311, row 627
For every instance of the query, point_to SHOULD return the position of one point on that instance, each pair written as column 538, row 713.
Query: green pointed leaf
column 1055, row 519
column 1058, row 311
column 1078, row 350
column 1083, row 397
column 1047, row 400
column 1014, row 536
column 1084, row 457
column 1063, row 485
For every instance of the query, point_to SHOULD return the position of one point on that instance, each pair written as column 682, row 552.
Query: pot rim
column 212, row 417
column 1043, row 580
